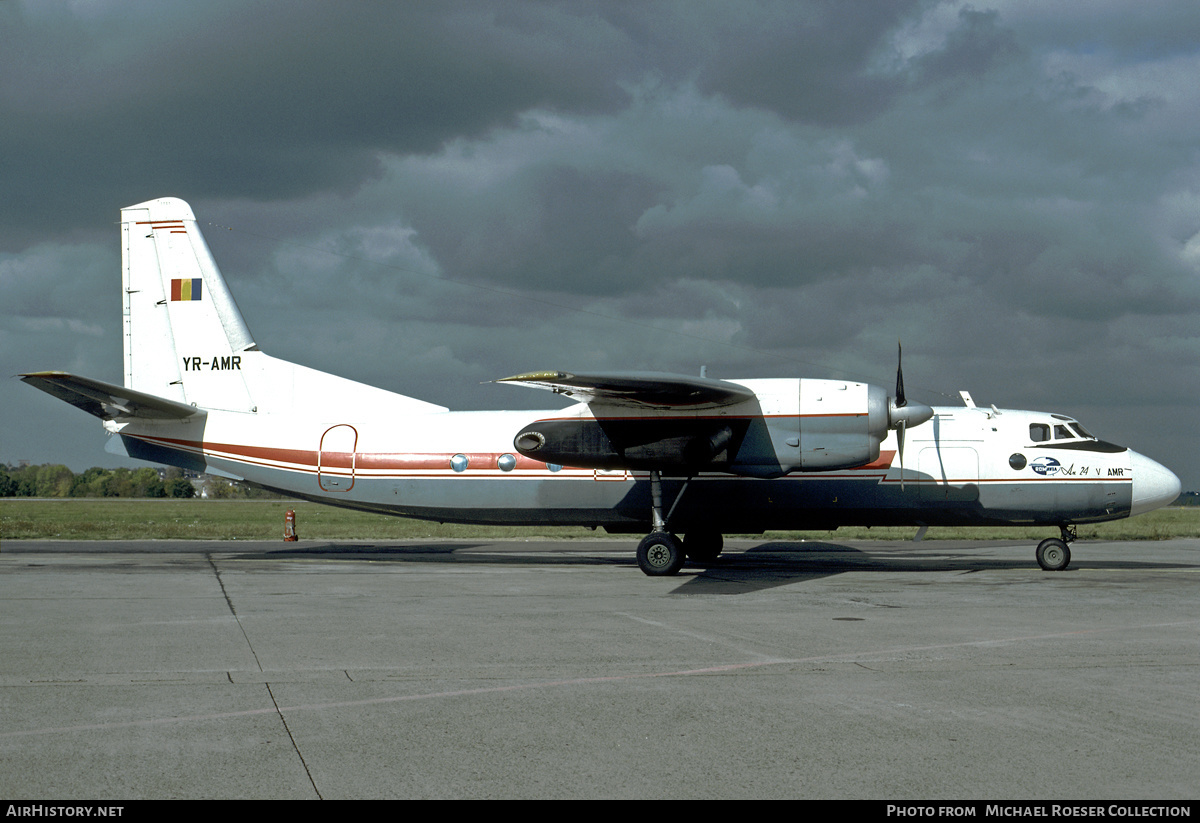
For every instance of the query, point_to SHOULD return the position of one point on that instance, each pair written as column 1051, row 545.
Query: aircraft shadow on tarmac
column 738, row 571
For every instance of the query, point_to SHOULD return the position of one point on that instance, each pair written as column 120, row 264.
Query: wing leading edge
column 656, row 390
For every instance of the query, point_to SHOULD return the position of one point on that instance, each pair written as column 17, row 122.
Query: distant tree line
column 56, row 480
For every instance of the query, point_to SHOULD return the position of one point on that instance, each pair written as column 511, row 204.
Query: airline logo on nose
column 1046, row 466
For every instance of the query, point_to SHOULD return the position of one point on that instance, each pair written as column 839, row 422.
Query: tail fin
column 184, row 334
column 186, row 341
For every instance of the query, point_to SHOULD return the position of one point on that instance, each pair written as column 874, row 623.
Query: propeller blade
column 901, row 415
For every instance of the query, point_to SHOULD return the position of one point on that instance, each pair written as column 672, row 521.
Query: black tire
column 660, row 554
column 703, row 546
column 1053, row 555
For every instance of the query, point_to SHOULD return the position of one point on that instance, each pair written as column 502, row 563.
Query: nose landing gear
column 1053, row 555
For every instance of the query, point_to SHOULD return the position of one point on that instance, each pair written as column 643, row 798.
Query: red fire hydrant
column 289, row 527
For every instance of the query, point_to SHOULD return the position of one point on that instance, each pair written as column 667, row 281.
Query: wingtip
column 533, row 376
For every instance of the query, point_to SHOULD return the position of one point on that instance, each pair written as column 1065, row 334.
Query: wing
column 656, row 390
column 105, row 400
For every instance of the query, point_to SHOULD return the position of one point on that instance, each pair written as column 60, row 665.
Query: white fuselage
column 965, row 466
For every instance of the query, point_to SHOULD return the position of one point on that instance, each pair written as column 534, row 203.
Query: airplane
column 639, row 452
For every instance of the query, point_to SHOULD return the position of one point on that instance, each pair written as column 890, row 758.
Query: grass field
column 123, row 519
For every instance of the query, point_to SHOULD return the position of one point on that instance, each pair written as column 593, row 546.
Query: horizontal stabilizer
column 108, row 401
column 638, row 389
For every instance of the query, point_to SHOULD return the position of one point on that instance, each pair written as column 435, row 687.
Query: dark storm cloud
column 267, row 100
column 551, row 228
column 811, row 62
column 977, row 46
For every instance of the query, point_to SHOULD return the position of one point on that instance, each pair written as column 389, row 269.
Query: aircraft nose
column 1154, row 484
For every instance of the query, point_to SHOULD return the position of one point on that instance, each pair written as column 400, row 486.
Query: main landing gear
column 1053, row 554
column 662, row 553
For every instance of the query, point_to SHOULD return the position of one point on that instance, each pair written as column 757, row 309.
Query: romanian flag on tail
column 186, row 289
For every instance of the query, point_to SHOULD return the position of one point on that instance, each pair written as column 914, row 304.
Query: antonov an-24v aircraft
column 638, row 452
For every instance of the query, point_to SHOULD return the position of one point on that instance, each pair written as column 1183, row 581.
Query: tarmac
column 556, row 669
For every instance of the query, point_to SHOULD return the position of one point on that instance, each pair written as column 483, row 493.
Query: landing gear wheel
column 660, row 554
column 702, row 546
column 1053, row 555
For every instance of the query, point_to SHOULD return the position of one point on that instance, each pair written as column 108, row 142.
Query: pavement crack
column 233, row 611
column 295, row 747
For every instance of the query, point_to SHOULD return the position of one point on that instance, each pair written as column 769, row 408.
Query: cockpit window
column 1067, row 430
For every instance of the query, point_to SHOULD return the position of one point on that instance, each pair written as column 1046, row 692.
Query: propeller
column 901, row 415
column 901, row 402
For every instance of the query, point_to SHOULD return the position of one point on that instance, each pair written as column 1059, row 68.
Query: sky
column 426, row 196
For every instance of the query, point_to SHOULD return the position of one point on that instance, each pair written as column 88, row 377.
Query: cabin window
column 1039, row 432
column 458, row 462
column 506, row 462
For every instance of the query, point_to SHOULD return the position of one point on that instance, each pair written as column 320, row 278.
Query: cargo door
column 336, row 457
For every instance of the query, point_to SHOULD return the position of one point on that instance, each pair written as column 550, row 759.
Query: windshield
column 1066, row 430
column 1083, row 432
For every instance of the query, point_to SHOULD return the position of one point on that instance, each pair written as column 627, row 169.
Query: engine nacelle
column 814, row 425
column 790, row 425
column 667, row 443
